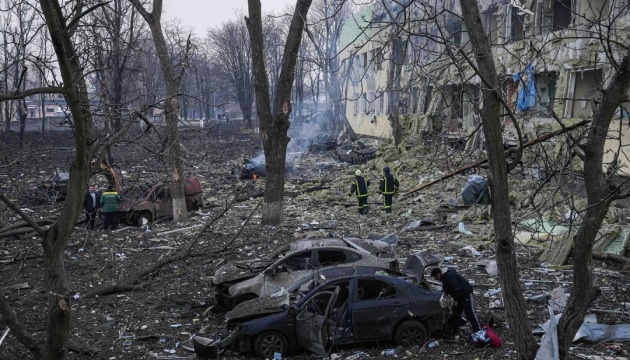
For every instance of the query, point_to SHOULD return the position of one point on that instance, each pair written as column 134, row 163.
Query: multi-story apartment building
column 571, row 46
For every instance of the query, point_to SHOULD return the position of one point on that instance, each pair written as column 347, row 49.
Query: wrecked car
column 244, row 280
column 56, row 186
column 345, row 310
column 355, row 153
column 413, row 270
column 157, row 203
column 323, row 143
column 253, row 169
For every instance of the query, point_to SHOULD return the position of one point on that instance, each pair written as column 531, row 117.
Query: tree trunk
column 56, row 238
column 599, row 196
column 504, row 240
column 274, row 126
column 171, row 108
column 393, row 85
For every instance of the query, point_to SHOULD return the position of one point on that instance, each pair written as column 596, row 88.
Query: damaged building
column 558, row 52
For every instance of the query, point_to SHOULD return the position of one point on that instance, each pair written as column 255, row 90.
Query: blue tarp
column 526, row 94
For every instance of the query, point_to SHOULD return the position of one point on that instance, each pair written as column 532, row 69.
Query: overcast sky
column 203, row 14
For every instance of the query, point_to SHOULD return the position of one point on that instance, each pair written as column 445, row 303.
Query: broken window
column 415, row 94
column 330, row 257
column 427, row 100
column 49, row 110
column 562, row 13
column 370, row 102
column 378, row 59
column 297, row 262
column 583, row 93
column 545, row 92
column 517, row 18
column 362, row 103
column 356, row 106
column 372, row 289
column 490, row 24
column 379, row 102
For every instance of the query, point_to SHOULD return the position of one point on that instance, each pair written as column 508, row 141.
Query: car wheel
column 270, row 342
column 410, row 332
column 242, row 298
column 143, row 219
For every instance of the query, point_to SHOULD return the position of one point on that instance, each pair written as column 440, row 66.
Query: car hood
column 239, row 270
column 261, row 306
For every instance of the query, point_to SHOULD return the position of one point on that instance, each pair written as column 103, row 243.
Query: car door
column 164, row 202
column 288, row 271
column 376, row 308
column 312, row 321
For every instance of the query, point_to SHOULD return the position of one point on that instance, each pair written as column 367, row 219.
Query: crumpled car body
column 356, row 153
column 323, row 142
column 239, row 281
column 157, row 203
column 345, row 310
column 413, row 270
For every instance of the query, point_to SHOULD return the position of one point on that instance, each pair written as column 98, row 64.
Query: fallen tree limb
column 481, row 162
column 8, row 315
column 26, row 218
column 46, row 221
column 130, row 283
column 15, row 287
column 611, row 257
column 19, row 232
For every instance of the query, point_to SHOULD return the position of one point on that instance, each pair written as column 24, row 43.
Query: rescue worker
column 109, row 199
column 360, row 187
column 455, row 286
column 388, row 187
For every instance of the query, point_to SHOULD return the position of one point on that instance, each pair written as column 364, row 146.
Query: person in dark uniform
column 455, row 286
column 360, row 187
column 91, row 204
column 388, row 187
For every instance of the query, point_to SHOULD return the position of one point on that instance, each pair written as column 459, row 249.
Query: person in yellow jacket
column 109, row 200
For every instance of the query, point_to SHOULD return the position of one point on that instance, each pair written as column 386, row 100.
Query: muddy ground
column 157, row 319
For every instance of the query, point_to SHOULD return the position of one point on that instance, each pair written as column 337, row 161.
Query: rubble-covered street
column 155, row 317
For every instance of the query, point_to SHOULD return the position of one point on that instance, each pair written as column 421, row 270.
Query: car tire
column 144, row 218
column 410, row 332
column 270, row 342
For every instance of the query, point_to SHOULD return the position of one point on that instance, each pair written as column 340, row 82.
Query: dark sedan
column 346, row 310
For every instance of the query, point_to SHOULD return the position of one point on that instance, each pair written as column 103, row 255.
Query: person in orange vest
column 388, row 187
column 360, row 187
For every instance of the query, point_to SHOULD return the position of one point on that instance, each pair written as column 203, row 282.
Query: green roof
column 353, row 31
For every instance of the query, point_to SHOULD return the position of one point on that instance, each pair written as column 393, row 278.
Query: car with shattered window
column 345, row 310
column 355, row 153
column 243, row 280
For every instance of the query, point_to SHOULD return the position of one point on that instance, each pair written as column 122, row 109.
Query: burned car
column 345, row 310
column 56, row 186
column 355, row 153
column 244, row 280
column 157, row 203
column 323, row 142
column 253, row 169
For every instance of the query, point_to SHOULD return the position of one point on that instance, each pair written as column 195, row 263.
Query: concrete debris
column 549, row 349
column 462, row 229
column 490, row 265
column 468, row 251
column 558, row 299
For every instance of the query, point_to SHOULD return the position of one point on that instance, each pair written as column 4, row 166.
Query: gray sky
column 203, row 14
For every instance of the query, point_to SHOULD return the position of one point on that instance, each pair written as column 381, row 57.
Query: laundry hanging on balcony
column 526, row 94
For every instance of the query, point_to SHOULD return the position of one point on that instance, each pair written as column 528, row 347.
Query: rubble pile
column 171, row 305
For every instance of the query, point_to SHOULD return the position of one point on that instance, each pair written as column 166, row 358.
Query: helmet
column 386, row 169
column 357, row 173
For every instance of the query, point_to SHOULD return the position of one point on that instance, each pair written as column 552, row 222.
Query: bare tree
column 231, row 51
column 171, row 107
column 275, row 125
column 325, row 36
